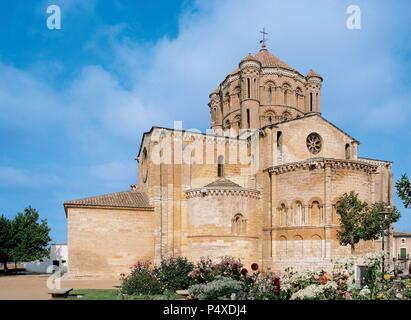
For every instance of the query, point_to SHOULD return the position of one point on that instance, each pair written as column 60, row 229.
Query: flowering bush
column 221, row 288
column 142, row 281
column 228, row 279
column 266, row 287
column 327, row 291
column 207, row 270
column 173, row 273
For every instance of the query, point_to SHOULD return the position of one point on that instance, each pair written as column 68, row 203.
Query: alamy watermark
column 354, row 19
column 54, row 19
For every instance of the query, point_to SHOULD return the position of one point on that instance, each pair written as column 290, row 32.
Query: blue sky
column 75, row 102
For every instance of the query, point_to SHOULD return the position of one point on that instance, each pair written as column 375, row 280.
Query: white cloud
column 11, row 178
column 105, row 107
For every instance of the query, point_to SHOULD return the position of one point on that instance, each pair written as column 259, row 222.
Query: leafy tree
column 5, row 241
column 403, row 187
column 30, row 237
column 359, row 221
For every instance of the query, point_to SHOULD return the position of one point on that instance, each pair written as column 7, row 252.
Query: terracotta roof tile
column 400, row 234
column 312, row 73
column 267, row 59
column 223, row 183
column 126, row 199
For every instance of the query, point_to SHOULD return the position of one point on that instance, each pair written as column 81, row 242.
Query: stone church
column 261, row 185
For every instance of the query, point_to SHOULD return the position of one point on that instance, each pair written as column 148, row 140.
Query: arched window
column 144, row 166
column 311, row 102
column 285, row 97
column 298, row 213
column 286, row 116
column 336, row 216
column 347, row 151
column 283, row 247
column 220, row 167
column 248, row 88
column 279, row 141
column 270, row 95
column 298, row 247
column 315, row 213
column 248, row 118
column 270, row 120
column 239, row 224
column 316, row 246
column 283, row 215
column 255, row 95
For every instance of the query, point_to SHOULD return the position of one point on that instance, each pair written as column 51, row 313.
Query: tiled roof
column 401, row 234
column 312, row 73
column 249, row 57
column 126, row 199
column 267, row 59
column 223, row 183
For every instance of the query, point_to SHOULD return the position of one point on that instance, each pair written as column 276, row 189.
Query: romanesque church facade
column 261, row 186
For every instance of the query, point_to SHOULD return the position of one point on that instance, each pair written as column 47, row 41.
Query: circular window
column 144, row 166
column 314, row 143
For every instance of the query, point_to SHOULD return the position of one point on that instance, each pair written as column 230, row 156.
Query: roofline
column 318, row 114
column 183, row 131
column 307, row 115
column 90, row 206
column 365, row 158
column 317, row 159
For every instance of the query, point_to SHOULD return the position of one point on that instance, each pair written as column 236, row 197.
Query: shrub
column 142, row 281
column 206, row 270
column 173, row 273
column 327, row 291
column 267, row 287
column 203, row 271
column 219, row 289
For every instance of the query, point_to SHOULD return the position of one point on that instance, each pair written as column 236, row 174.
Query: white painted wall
column 58, row 252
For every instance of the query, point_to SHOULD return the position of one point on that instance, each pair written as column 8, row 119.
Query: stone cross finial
column 264, row 40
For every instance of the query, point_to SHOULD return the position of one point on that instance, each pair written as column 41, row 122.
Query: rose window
column 314, row 143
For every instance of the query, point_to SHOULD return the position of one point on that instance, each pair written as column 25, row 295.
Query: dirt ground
column 34, row 287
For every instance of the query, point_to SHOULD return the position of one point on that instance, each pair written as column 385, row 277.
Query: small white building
column 56, row 261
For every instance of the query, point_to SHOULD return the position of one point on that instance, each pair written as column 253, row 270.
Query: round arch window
column 314, row 143
column 144, row 166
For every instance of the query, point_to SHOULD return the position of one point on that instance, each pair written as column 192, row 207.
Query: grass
column 95, row 294
column 114, row 294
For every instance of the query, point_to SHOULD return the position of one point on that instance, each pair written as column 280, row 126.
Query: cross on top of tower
column 264, row 40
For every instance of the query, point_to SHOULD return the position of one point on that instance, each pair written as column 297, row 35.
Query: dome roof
column 312, row 74
column 249, row 57
column 267, row 59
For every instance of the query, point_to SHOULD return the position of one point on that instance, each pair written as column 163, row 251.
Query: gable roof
column 319, row 116
column 125, row 199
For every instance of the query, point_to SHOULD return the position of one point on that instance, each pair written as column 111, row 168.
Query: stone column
column 327, row 209
column 372, row 187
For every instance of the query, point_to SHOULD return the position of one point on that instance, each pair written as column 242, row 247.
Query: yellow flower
column 387, row 277
column 409, row 282
column 380, row 296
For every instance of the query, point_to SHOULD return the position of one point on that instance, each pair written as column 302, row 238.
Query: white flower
column 365, row 292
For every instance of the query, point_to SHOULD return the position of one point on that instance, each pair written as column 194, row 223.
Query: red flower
column 277, row 284
column 254, row 267
column 244, row 272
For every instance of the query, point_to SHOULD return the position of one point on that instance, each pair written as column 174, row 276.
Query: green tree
column 5, row 241
column 403, row 187
column 30, row 237
column 359, row 221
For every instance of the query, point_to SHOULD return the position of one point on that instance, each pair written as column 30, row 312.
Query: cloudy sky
column 74, row 102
